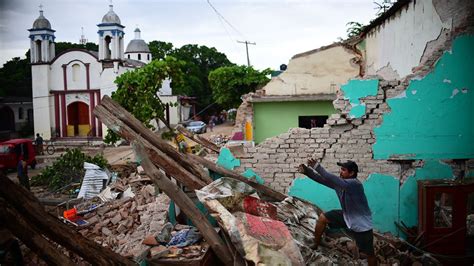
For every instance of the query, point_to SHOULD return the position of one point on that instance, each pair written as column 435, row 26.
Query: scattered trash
column 94, row 181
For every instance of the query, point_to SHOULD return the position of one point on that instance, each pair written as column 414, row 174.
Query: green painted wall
column 356, row 89
column 435, row 117
column 274, row 118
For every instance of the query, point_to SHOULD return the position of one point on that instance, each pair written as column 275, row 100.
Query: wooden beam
column 128, row 119
column 29, row 207
column 158, row 157
column 198, row 139
column 233, row 174
column 186, row 205
column 31, row 236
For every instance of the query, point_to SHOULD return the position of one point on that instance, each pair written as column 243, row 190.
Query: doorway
column 8, row 119
column 77, row 119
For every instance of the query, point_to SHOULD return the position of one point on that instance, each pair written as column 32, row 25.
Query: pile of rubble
column 137, row 227
column 219, row 139
column 131, row 217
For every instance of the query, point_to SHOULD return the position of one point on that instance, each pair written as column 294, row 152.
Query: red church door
column 78, row 119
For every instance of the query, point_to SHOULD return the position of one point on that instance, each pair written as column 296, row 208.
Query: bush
column 67, row 169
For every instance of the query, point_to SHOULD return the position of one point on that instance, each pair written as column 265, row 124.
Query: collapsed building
column 403, row 112
column 405, row 127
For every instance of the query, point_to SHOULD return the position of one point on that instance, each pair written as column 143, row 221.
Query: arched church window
column 38, row 50
column 148, row 57
column 139, row 56
column 128, row 56
column 107, row 40
column 76, row 69
column 20, row 113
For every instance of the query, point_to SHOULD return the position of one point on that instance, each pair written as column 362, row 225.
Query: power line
column 247, row 49
column 223, row 18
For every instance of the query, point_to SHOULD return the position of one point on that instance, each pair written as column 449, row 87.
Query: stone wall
column 276, row 159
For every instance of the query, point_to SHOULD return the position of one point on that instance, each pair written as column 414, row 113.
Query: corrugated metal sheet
column 94, row 181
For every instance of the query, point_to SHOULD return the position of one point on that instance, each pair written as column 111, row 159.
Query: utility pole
column 247, row 49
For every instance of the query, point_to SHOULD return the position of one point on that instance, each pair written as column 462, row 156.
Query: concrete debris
column 137, row 226
column 470, row 225
column 219, row 139
column 124, row 223
column 284, row 237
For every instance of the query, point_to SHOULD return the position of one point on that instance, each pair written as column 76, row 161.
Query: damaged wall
column 434, row 116
column 273, row 118
column 412, row 27
column 315, row 72
column 402, row 42
column 390, row 184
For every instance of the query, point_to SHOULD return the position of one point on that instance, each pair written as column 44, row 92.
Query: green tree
column 354, row 29
column 159, row 50
column 230, row 83
column 15, row 78
column 137, row 91
column 63, row 46
column 199, row 61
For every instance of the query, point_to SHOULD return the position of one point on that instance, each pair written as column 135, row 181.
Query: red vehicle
column 11, row 151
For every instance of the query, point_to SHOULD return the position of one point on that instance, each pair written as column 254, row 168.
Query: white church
column 67, row 87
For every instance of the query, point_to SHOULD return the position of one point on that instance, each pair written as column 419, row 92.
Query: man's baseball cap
column 349, row 165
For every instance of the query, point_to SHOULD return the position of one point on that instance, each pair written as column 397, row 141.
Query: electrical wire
column 224, row 19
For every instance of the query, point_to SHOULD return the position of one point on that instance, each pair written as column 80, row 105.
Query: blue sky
column 280, row 28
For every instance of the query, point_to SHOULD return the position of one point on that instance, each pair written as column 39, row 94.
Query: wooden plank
column 159, row 158
column 233, row 174
column 29, row 207
column 186, row 205
column 196, row 138
column 31, row 236
column 128, row 119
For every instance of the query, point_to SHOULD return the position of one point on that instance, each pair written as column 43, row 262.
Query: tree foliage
column 67, row 169
column 354, row 29
column 199, row 61
column 137, row 91
column 63, row 46
column 15, row 78
column 230, row 83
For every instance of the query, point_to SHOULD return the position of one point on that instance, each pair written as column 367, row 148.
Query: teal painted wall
column 305, row 188
column 382, row 193
column 387, row 200
column 274, row 118
column 435, row 118
column 432, row 169
column 356, row 89
column 227, row 160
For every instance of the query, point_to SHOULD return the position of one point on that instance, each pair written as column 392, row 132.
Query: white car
column 197, row 127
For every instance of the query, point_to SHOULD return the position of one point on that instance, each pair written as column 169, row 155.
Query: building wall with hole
column 397, row 138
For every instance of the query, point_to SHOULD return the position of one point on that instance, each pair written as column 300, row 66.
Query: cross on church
column 41, row 6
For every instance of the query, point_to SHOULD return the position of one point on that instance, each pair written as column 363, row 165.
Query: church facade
column 66, row 87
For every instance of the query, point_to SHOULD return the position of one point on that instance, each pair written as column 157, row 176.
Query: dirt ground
column 223, row 129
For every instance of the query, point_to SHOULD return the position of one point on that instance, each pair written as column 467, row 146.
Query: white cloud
column 280, row 28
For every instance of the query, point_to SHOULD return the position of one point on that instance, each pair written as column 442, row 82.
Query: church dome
column 111, row 17
column 137, row 45
column 41, row 22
